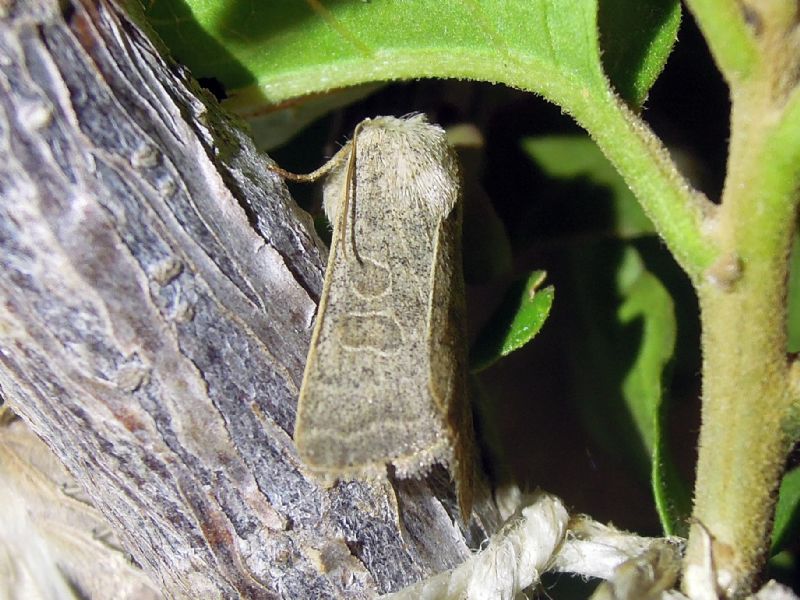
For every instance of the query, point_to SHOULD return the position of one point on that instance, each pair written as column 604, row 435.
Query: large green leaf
column 647, row 301
column 284, row 49
column 627, row 342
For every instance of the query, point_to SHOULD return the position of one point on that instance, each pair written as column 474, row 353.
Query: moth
column 385, row 378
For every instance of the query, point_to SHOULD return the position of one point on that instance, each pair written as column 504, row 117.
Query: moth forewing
column 385, row 379
column 447, row 341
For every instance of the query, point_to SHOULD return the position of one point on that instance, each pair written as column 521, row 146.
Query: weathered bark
column 53, row 543
column 158, row 289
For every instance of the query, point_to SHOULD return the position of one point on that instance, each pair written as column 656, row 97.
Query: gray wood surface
column 158, row 287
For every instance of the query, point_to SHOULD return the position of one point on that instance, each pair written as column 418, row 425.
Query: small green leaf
column 783, row 566
column 611, row 210
column 787, row 513
column 519, row 318
column 625, row 349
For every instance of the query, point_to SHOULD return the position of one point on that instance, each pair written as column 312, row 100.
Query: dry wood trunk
column 158, row 287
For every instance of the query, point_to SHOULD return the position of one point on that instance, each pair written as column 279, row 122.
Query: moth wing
column 385, row 380
column 365, row 400
column 447, row 343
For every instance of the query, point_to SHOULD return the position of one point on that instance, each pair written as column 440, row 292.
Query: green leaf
column 290, row 48
column 517, row 320
column 646, row 30
column 190, row 32
column 787, row 513
column 625, row 349
column 646, row 300
column 575, row 160
column 783, row 567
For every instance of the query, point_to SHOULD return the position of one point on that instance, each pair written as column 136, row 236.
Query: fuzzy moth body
column 385, row 379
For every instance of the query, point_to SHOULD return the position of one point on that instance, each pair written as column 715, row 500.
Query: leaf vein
column 345, row 33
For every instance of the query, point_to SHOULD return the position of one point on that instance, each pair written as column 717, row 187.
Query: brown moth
column 385, row 379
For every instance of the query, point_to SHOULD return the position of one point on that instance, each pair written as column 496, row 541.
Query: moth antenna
column 308, row 177
column 350, row 183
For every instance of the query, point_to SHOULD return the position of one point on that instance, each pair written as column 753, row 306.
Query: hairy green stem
column 725, row 28
column 747, row 395
column 749, row 392
column 677, row 210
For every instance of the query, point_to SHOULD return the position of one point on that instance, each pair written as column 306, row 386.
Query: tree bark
column 159, row 287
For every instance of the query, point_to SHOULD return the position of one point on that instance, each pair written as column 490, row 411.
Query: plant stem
column 726, row 31
column 746, row 386
column 677, row 210
column 742, row 443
